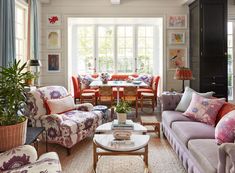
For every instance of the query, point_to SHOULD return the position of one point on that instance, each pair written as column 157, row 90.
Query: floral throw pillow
column 145, row 78
column 225, row 129
column 203, row 109
column 85, row 81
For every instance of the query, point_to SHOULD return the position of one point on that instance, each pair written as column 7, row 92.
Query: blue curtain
column 7, row 32
column 34, row 42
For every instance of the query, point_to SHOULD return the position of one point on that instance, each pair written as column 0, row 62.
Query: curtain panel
column 34, row 29
column 7, row 32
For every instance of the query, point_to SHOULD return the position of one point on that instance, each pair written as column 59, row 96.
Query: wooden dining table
column 117, row 84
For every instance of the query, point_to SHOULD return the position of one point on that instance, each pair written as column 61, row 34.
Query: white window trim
column 115, row 48
column 22, row 4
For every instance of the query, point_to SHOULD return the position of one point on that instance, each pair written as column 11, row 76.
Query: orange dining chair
column 76, row 88
column 106, row 95
column 130, row 95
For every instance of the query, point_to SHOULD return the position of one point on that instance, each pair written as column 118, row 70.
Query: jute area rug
column 162, row 159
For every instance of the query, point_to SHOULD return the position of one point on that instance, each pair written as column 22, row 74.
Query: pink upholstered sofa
column 67, row 128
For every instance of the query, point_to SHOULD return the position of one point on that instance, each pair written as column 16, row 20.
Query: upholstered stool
column 147, row 96
column 151, row 123
column 104, row 109
column 88, row 96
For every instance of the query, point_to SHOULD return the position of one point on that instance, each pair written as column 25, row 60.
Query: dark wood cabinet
column 208, row 46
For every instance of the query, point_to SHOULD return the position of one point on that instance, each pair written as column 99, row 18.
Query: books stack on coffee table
column 129, row 125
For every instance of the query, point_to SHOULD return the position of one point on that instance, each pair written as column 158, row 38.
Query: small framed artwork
column 176, row 37
column 177, row 22
column 176, row 57
column 53, row 39
column 53, row 20
column 53, row 62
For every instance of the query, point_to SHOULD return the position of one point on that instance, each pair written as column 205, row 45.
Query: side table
column 151, row 121
column 32, row 136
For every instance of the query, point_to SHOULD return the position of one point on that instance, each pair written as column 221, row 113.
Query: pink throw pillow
column 203, row 109
column 225, row 129
column 56, row 106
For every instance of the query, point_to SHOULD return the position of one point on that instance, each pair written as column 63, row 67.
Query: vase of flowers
column 104, row 77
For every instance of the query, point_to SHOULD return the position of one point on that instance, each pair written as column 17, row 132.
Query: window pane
column 230, row 40
column 105, row 49
column 230, row 61
column 125, row 58
column 85, row 49
column 20, row 29
column 230, row 27
column 145, row 50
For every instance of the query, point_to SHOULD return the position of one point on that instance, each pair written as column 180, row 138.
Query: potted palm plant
column 122, row 108
column 13, row 124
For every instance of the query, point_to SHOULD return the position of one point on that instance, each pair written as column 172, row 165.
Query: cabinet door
column 194, row 52
column 214, row 29
column 214, row 47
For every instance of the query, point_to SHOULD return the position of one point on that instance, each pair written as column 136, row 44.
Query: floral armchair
column 67, row 128
column 24, row 159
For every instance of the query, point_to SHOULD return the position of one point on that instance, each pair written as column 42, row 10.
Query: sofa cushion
column 205, row 151
column 187, row 97
column 168, row 117
column 192, row 130
column 225, row 129
column 75, row 121
column 203, row 109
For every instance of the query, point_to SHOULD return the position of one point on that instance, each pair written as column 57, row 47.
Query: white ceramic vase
column 121, row 118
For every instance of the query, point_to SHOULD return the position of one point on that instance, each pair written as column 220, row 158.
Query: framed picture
column 53, row 62
column 177, row 22
column 176, row 37
column 53, row 39
column 53, row 20
column 176, row 57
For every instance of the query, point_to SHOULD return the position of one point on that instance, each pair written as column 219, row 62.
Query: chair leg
column 141, row 103
column 153, row 100
column 68, row 151
column 136, row 107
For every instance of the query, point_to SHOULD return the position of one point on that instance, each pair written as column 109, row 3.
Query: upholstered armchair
column 24, row 159
column 67, row 127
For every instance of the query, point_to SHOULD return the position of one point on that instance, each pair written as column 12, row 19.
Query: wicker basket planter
column 13, row 135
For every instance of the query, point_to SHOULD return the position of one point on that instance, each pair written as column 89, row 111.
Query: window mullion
column 115, row 48
column 135, row 47
column 96, row 46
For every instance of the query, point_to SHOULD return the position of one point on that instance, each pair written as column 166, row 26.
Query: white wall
column 103, row 8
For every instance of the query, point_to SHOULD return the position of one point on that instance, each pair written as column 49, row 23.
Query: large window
column 21, row 31
column 114, row 45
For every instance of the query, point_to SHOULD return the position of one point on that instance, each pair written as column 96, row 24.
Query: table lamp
column 34, row 64
column 183, row 73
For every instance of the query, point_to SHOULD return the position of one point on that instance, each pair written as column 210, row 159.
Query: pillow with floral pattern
column 85, row 81
column 145, row 78
column 225, row 129
column 203, row 109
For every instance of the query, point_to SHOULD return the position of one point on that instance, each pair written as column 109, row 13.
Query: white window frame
column 233, row 62
column 115, row 44
column 23, row 5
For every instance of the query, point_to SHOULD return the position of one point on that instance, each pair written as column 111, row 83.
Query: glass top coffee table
column 107, row 128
